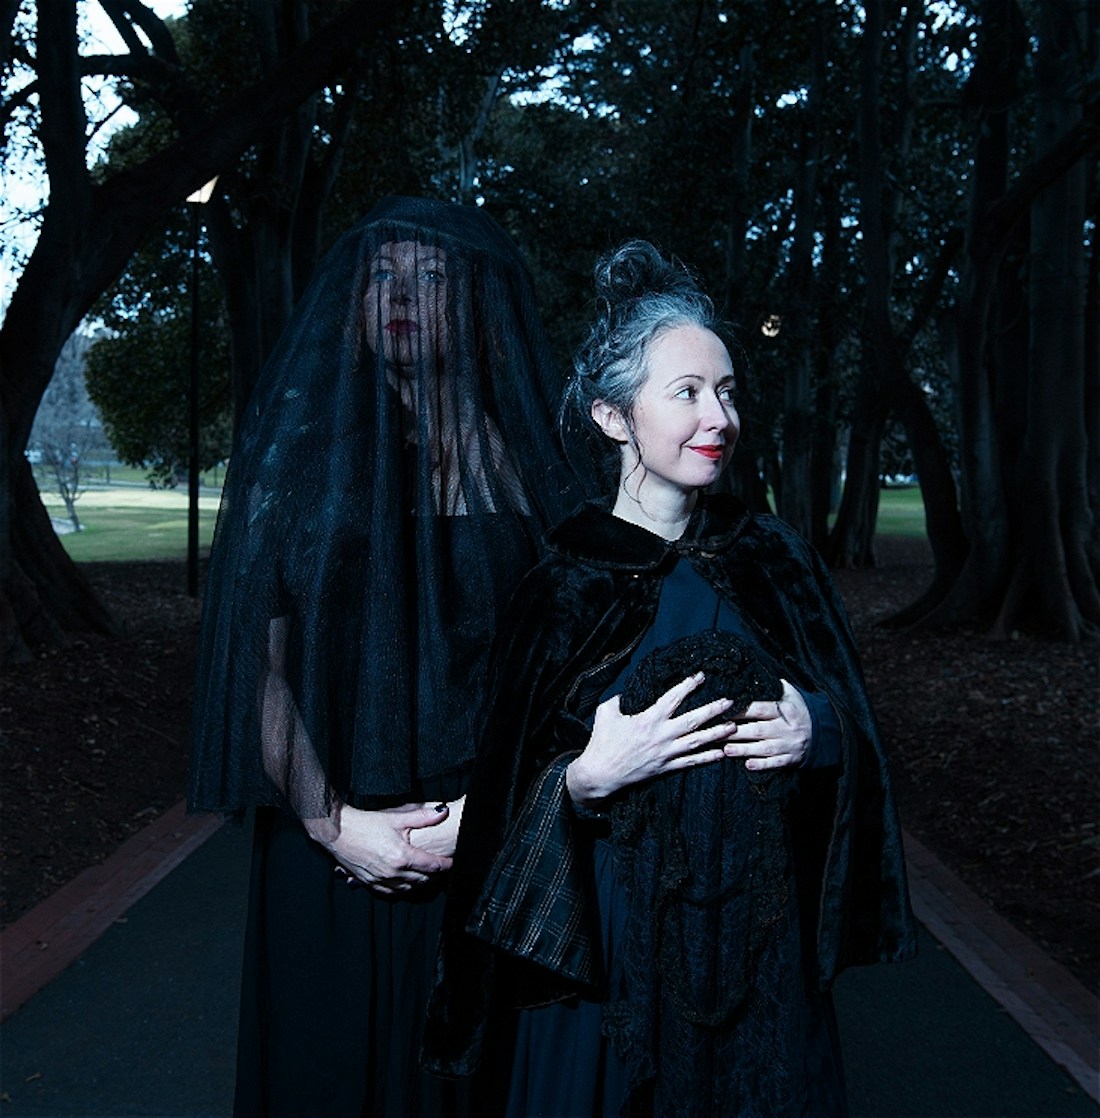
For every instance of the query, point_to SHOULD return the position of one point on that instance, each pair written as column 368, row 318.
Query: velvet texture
column 571, row 626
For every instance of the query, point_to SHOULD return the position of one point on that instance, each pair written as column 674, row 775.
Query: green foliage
column 579, row 124
column 139, row 374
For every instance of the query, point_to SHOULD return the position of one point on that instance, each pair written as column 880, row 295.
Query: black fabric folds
column 709, row 962
column 388, row 486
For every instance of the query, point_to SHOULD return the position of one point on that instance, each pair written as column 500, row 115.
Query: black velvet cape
column 571, row 625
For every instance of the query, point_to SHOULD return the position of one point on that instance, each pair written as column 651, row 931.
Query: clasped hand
column 626, row 749
column 395, row 849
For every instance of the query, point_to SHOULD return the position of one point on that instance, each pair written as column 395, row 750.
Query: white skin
column 405, row 305
column 679, row 438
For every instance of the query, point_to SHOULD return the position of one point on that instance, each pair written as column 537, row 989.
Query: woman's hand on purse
column 772, row 735
column 626, row 749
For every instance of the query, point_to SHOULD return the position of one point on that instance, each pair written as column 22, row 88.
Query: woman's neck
column 665, row 514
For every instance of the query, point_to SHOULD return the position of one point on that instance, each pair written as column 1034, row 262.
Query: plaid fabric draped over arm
column 538, row 900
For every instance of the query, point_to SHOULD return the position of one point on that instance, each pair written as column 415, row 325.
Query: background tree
column 67, row 437
column 886, row 387
column 1028, row 505
column 90, row 227
column 138, row 367
column 880, row 185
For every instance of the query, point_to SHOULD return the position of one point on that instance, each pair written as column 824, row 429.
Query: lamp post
column 199, row 198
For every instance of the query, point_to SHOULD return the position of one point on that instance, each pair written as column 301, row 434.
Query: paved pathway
column 120, row 998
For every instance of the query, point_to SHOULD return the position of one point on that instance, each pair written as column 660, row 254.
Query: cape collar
column 594, row 536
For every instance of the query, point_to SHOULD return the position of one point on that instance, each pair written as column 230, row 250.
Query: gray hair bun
column 637, row 270
column 640, row 294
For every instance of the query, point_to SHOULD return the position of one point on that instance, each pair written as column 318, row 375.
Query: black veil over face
column 389, row 485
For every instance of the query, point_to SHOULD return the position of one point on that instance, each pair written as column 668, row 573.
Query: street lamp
column 199, row 198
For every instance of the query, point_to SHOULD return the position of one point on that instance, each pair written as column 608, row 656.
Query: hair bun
column 637, row 268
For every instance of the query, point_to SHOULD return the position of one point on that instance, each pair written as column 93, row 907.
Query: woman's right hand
column 626, row 749
column 374, row 847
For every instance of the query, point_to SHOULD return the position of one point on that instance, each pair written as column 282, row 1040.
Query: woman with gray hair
column 679, row 827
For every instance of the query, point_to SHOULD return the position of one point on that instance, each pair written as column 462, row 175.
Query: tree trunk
column 88, row 232
column 1028, row 512
column 852, row 540
column 992, row 88
column 939, row 494
column 796, row 504
column 267, row 250
column 255, row 253
column 824, row 463
column 1053, row 582
column 45, row 592
column 741, row 108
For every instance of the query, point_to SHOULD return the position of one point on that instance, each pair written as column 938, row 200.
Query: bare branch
column 127, row 14
column 116, row 13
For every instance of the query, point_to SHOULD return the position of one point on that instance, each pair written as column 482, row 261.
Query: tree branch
column 1002, row 215
column 933, row 288
column 62, row 108
column 9, row 9
column 213, row 144
column 128, row 14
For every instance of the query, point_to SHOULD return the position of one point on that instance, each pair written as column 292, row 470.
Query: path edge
column 38, row 946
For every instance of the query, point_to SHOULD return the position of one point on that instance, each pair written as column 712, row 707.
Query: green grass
column 900, row 512
column 100, row 474
column 131, row 521
column 122, row 522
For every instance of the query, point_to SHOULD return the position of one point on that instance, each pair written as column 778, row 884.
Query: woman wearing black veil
column 389, row 484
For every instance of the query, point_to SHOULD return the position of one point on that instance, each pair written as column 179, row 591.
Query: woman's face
column 405, row 303
column 684, row 419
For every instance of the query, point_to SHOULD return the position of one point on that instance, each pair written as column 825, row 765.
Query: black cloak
column 520, row 928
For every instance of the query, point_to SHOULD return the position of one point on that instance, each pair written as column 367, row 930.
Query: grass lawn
column 900, row 512
column 133, row 522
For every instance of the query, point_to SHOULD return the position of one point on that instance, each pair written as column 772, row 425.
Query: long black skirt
column 564, row 1066
column 335, row 985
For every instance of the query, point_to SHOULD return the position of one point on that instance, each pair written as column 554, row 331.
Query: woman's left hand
column 441, row 838
column 772, row 735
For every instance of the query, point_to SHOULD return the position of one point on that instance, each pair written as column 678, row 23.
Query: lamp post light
column 199, row 198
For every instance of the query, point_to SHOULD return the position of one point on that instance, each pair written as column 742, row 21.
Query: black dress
column 573, row 1034
column 333, row 987
column 336, row 978
column 390, row 483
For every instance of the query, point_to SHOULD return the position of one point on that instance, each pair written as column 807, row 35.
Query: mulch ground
column 993, row 747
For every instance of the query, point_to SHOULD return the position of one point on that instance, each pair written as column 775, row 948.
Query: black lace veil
column 389, row 485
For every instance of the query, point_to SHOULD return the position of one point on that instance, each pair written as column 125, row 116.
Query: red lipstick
column 714, row 453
